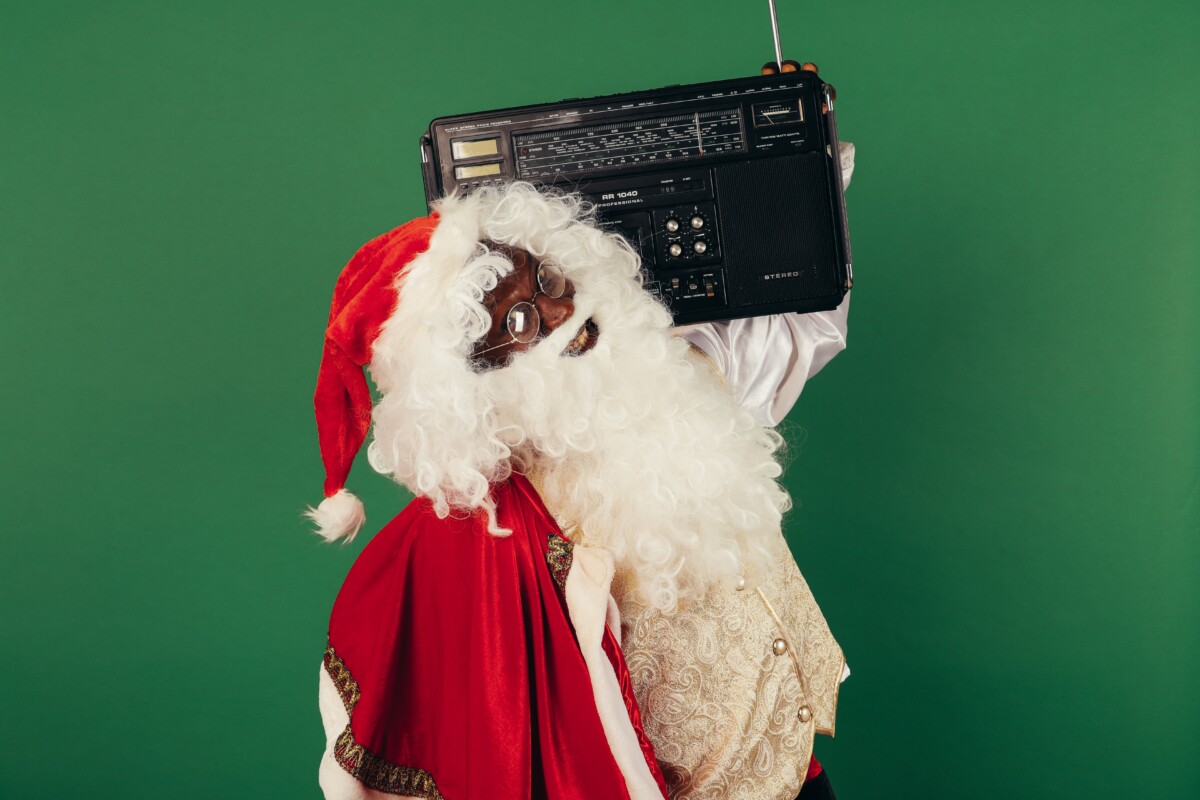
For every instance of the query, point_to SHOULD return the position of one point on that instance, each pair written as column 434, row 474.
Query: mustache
column 546, row 352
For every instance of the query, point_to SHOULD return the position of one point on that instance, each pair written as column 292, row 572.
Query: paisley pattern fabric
column 721, row 698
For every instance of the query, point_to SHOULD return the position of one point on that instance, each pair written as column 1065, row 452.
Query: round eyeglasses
column 523, row 322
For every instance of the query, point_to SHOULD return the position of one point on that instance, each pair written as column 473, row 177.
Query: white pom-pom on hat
column 338, row 517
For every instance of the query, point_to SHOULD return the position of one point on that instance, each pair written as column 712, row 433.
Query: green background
column 997, row 483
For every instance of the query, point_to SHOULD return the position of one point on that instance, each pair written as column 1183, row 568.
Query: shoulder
column 419, row 533
column 415, row 534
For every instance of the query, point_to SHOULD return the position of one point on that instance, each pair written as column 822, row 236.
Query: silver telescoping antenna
column 775, row 33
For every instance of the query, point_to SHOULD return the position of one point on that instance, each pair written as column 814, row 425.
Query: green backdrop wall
column 997, row 482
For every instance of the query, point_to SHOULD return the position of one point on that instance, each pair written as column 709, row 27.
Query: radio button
column 672, row 225
column 676, row 249
column 700, row 246
column 697, row 222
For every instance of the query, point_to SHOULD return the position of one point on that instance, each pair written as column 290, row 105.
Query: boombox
column 731, row 191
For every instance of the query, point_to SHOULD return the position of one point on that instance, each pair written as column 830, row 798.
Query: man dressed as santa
column 590, row 596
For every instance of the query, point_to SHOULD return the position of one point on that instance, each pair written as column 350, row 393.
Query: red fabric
column 814, row 769
column 363, row 299
column 465, row 660
column 612, row 649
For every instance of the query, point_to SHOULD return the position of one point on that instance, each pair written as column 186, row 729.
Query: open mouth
column 584, row 340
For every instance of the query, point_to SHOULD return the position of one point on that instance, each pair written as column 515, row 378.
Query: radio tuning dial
column 676, row 249
column 697, row 222
column 699, row 246
column 672, row 225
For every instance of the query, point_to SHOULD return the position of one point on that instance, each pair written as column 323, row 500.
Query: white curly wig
column 636, row 445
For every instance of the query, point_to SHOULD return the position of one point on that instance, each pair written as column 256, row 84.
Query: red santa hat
column 365, row 297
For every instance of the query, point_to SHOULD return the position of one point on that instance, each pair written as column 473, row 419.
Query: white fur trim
column 338, row 517
column 588, row 604
column 336, row 783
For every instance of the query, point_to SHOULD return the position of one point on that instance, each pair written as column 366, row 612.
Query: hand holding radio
column 772, row 67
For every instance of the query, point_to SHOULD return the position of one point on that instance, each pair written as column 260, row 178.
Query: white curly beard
column 637, row 442
column 640, row 446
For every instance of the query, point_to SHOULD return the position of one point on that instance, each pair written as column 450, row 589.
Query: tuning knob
column 672, row 225
column 697, row 222
column 676, row 249
column 700, row 246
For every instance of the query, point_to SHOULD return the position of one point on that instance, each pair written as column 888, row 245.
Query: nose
column 554, row 312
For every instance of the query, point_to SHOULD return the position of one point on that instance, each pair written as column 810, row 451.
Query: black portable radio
column 731, row 191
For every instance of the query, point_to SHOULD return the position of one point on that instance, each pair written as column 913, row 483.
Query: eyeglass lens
column 523, row 322
column 523, row 319
column 551, row 281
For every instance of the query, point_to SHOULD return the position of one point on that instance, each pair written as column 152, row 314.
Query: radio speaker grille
column 777, row 229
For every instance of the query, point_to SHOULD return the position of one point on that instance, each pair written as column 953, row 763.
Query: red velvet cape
column 454, row 655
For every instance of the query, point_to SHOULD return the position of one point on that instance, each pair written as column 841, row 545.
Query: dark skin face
column 498, row 346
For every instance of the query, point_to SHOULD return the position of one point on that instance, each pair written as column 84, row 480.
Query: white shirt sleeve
column 767, row 360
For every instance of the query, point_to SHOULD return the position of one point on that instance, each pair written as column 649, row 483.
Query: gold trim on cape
column 559, row 555
column 367, row 768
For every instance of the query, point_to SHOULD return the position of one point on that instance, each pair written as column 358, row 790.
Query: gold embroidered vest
column 733, row 688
